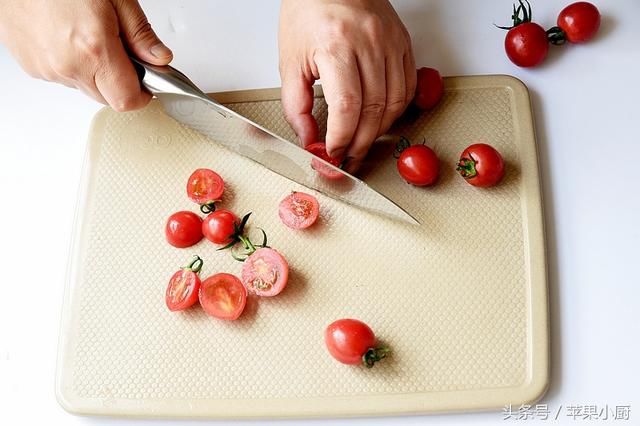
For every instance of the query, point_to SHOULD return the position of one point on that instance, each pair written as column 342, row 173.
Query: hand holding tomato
column 362, row 52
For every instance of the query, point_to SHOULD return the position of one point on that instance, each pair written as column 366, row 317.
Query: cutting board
column 460, row 299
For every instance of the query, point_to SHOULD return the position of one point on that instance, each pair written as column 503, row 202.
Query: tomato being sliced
column 429, row 88
column 219, row 227
column 205, row 186
column 184, row 285
column 481, row 165
column 319, row 149
column 223, row 296
column 183, row 229
column 299, row 210
column 265, row 272
column 352, row 342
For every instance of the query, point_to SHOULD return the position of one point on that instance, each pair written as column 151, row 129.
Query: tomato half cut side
column 265, row 272
column 223, row 296
column 205, row 186
column 299, row 210
column 184, row 285
column 319, row 149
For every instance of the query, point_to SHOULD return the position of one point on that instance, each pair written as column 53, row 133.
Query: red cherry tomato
column 481, row 165
column 265, row 272
column 205, row 186
column 429, row 89
column 352, row 342
column 580, row 21
column 223, row 296
column 319, row 149
column 526, row 44
column 299, row 210
column 184, row 285
column 183, row 229
column 419, row 165
column 219, row 227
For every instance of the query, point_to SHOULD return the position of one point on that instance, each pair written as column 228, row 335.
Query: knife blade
column 186, row 103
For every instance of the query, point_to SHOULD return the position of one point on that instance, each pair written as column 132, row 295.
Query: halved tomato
column 223, row 296
column 205, row 186
column 184, row 285
column 265, row 272
column 299, row 210
column 319, row 149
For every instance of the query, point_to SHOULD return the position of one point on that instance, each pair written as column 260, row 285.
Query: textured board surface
column 462, row 299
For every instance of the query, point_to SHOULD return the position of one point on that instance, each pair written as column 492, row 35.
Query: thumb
column 137, row 34
column 297, row 102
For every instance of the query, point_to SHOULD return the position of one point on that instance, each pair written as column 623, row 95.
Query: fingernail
column 337, row 153
column 161, row 51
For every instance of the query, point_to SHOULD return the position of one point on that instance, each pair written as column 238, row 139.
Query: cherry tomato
column 481, row 165
column 352, row 342
column 299, row 210
column 205, row 186
column 526, row 44
column 183, row 229
column 319, row 149
column 219, row 227
column 223, row 296
column 419, row 165
column 184, row 285
column 265, row 272
column 579, row 21
column 429, row 89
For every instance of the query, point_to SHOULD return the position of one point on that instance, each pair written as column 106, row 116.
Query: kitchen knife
column 186, row 103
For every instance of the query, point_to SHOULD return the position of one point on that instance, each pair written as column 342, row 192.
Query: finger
column 297, row 102
column 117, row 81
column 343, row 94
column 374, row 95
column 411, row 75
column 138, row 35
column 396, row 92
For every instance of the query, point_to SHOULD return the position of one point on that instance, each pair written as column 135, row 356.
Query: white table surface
column 585, row 101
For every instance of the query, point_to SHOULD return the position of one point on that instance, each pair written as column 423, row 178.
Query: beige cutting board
column 462, row 299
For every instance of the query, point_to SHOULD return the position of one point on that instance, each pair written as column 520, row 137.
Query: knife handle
column 165, row 80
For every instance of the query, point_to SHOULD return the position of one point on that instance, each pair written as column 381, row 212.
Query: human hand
column 83, row 44
column 362, row 52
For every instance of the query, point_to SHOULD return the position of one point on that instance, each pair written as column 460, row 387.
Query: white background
column 585, row 101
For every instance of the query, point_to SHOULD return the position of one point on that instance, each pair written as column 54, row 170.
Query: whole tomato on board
column 526, row 42
column 183, row 229
column 351, row 341
column 220, row 226
column 417, row 164
column 481, row 165
column 577, row 23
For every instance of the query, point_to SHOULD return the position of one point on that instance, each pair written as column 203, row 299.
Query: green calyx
column 195, row 265
column 521, row 15
column 248, row 246
column 556, row 36
column 373, row 355
column 467, row 168
column 209, row 207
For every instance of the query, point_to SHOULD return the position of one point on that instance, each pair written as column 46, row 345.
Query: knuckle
column 373, row 26
column 374, row 108
column 141, row 30
column 90, row 45
column 396, row 105
column 347, row 102
column 64, row 68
